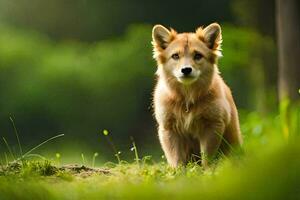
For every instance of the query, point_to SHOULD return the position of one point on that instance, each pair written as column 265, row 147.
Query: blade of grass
column 41, row 144
column 83, row 159
column 232, row 149
column 37, row 156
column 135, row 151
column 6, row 158
column 1, row 162
column 17, row 135
column 117, row 153
column 8, row 148
column 94, row 159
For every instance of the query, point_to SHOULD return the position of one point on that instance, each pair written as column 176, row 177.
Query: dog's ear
column 161, row 36
column 212, row 36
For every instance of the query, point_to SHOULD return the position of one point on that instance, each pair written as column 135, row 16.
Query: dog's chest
column 186, row 121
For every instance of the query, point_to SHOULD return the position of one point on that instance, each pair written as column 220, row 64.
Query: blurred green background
column 78, row 67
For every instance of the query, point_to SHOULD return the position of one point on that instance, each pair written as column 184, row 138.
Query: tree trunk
column 288, row 40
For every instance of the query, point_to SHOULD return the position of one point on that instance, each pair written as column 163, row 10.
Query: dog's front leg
column 173, row 147
column 210, row 141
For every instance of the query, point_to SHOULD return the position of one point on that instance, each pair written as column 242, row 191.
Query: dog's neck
column 191, row 94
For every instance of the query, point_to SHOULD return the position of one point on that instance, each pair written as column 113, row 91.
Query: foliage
column 98, row 19
column 80, row 88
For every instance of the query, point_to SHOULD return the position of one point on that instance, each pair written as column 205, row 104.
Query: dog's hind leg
column 210, row 142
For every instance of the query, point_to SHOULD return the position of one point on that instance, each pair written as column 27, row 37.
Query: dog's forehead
column 181, row 41
column 185, row 39
column 187, row 42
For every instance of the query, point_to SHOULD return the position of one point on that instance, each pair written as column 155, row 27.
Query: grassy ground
column 269, row 168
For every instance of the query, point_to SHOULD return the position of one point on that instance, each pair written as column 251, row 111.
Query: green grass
column 269, row 168
column 273, row 174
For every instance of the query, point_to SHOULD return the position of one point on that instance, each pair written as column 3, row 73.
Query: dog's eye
column 175, row 56
column 197, row 56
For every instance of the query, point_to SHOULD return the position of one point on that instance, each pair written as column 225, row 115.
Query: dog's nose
column 186, row 70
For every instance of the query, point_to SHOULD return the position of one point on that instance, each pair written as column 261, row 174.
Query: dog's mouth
column 187, row 80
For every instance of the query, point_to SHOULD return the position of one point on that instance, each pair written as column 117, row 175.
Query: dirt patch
column 83, row 171
column 47, row 169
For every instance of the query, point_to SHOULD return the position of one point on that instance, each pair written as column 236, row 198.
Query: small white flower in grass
column 132, row 148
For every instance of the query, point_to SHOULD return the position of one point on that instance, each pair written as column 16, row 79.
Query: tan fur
column 193, row 118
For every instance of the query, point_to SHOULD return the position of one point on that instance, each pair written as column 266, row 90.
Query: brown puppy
column 193, row 106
